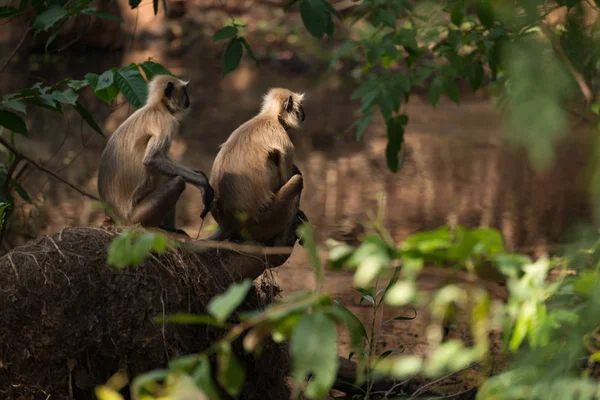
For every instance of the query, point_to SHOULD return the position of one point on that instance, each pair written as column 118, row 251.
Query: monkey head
column 171, row 93
column 286, row 105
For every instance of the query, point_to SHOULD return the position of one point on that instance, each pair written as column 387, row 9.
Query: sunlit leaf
column 313, row 347
column 203, row 378
column 221, row 306
column 107, row 393
column 231, row 375
column 402, row 293
column 307, row 235
column 356, row 329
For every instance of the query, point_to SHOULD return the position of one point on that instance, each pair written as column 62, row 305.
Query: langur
column 137, row 180
column 257, row 186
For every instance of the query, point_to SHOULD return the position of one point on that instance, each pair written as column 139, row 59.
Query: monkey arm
column 156, row 160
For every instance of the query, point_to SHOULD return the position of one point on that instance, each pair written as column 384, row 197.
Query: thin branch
column 578, row 76
column 46, row 170
column 15, row 50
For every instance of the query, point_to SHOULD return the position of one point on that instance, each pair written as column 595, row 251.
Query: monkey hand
column 208, row 196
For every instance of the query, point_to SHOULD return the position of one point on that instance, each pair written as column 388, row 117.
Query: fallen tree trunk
column 68, row 321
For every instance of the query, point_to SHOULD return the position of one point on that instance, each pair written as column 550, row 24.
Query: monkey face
column 293, row 111
column 176, row 98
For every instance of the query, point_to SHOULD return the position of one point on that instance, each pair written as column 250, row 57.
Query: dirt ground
column 457, row 168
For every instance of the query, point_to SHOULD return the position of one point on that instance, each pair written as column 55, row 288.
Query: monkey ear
column 289, row 104
column 169, row 90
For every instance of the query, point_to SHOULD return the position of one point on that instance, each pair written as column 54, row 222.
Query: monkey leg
column 151, row 210
column 282, row 211
column 169, row 224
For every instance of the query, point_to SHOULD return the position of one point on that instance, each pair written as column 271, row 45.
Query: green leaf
column 307, row 235
column 314, row 17
column 395, row 141
column 249, row 51
column 48, row 18
column 3, row 211
column 356, row 329
column 342, row 51
column 102, row 15
column 485, row 12
column 54, row 34
column 313, row 347
column 105, row 80
column 141, row 381
column 364, row 122
column 221, row 306
column 7, row 12
column 132, row 85
column 203, row 378
column 231, row 375
column 13, row 122
column 372, row 85
column 87, row 117
column 232, row 56
column 22, row 192
column 225, row 33
column 103, row 85
column 186, row 319
column 456, row 16
column 45, row 101
column 68, row 96
column 451, row 89
column 435, row 90
column 16, row 105
column 475, row 75
column 134, row 3
column 386, row 103
column 78, row 84
column 385, row 18
column 151, row 69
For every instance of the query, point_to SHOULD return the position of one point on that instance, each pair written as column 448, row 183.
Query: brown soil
column 69, row 322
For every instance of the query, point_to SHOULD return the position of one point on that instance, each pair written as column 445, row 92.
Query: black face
column 301, row 112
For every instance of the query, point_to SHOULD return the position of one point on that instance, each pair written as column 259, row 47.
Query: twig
column 15, row 50
column 579, row 79
column 46, row 170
